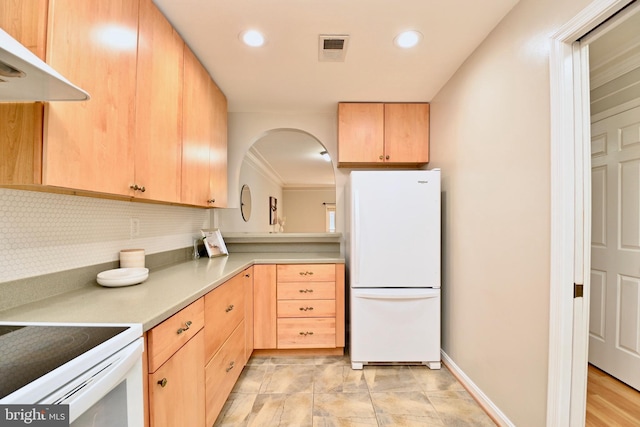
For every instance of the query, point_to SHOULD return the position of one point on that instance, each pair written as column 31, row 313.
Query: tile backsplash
column 43, row 233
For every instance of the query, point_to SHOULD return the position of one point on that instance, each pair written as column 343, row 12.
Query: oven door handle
column 83, row 392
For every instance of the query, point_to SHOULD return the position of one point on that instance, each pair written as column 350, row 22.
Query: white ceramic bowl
column 122, row 277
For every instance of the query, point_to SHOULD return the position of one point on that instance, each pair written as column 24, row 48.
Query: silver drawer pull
column 304, row 291
column 306, row 308
column 228, row 309
column 306, row 273
column 306, row 333
column 187, row 325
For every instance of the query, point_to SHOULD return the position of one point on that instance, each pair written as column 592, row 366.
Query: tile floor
column 326, row 392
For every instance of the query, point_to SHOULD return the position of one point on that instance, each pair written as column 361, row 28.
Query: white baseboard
column 489, row 407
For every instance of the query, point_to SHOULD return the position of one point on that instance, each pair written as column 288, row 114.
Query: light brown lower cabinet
column 310, row 306
column 222, row 372
column 176, row 389
column 195, row 357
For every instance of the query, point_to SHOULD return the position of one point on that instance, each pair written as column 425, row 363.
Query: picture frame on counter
column 214, row 243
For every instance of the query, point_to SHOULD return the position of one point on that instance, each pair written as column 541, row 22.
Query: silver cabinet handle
column 187, row 325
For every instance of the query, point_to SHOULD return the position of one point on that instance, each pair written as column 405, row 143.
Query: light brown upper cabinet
column 86, row 145
column 197, row 131
column 21, row 123
column 218, row 159
column 204, row 137
column 389, row 134
column 158, row 147
column 127, row 140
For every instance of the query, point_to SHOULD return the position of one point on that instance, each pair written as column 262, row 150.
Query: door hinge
column 578, row 290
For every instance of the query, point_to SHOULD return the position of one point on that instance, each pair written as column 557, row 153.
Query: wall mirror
column 245, row 202
column 289, row 164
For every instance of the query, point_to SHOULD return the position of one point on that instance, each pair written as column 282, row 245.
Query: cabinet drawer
column 223, row 311
column 307, row 290
column 306, row 273
column 222, row 372
column 167, row 338
column 307, row 333
column 307, row 308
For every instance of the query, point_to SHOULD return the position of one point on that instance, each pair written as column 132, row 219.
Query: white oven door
column 108, row 395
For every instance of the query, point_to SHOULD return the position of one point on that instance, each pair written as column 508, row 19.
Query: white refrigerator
column 393, row 246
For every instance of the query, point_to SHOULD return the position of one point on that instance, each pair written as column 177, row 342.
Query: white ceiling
column 294, row 158
column 286, row 76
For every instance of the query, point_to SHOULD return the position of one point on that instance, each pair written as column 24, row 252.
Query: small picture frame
column 273, row 210
column 214, row 243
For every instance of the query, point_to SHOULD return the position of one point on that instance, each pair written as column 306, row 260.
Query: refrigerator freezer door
column 395, row 229
column 395, row 325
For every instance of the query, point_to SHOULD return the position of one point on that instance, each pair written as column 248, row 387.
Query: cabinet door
column 247, row 277
column 223, row 312
column 218, row 159
column 94, row 136
column 222, row 372
column 21, row 122
column 158, row 151
column 177, row 389
column 197, row 131
column 264, row 307
column 406, row 133
column 360, row 133
column 340, row 305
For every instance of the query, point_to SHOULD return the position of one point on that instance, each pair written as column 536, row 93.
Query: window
column 330, row 217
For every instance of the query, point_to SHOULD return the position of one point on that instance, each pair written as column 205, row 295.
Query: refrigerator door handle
column 377, row 295
column 355, row 233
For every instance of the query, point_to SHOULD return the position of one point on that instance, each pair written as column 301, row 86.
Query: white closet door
column 614, row 324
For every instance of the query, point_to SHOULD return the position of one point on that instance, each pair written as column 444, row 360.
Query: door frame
column 570, row 214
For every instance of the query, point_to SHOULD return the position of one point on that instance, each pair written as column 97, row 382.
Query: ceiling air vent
column 332, row 48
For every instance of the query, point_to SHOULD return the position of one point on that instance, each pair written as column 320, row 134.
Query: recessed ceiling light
column 408, row 39
column 252, row 38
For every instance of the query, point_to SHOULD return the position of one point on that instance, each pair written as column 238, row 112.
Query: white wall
column 246, row 128
column 490, row 133
column 262, row 187
column 305, row 210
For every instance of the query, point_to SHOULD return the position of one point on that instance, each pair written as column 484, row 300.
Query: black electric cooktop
column 29, row 352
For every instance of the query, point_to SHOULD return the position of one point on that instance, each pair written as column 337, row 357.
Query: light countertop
column 165, row 292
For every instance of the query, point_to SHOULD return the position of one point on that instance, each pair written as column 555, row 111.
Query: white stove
column 96, row 369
